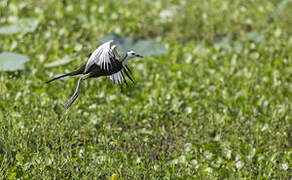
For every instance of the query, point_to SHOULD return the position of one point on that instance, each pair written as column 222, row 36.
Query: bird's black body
column 94, row 71
column 104, row 61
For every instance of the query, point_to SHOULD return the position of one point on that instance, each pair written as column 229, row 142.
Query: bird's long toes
column 71, row 101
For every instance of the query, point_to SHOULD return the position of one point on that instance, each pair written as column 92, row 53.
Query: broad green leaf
column 21, row 26
column 145, row 47
column 254, row 36
column 12, row 61
column 149, row 48
column 225, row 42
column 284, row 14
column 282, row 5
column 59, row 62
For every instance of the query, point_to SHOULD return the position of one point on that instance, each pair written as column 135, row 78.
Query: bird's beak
column 139, row 56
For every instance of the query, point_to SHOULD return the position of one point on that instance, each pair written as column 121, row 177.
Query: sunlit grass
column 216, row 105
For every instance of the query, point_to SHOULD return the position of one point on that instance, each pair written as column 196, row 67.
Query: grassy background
column 216, row 105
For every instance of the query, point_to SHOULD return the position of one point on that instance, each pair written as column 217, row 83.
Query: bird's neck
column 124, row 59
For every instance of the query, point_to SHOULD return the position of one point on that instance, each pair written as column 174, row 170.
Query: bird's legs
column 76, row 93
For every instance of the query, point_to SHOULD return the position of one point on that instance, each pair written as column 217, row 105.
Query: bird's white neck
column 125, row 59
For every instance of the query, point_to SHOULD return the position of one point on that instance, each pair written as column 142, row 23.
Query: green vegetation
column 216, row 105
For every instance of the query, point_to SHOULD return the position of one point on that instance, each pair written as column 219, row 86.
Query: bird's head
column 132, row 54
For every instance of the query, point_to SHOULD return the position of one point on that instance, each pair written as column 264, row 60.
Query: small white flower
column 265, row 127
column 118, row 30
column 100, row 159
column 238, row 164
column 189, row 59
column 17, row 95
column 278, row 32
column 208, row 169
column 228, row 154
column 93, row 8
column 166, row 15
column 140, row 66
column 112, row 97
column 138, row 160
column 80, row 152
column 48, row 34
column 252, row 46
column 42, row 57
column 114, row 16
column 284, row 166
column 205, row 16
column 237, row 158
column 217, row 138
column 188, row 147
column 189, row 110
column 260, row 158
column 283, row 106
column 101, row 94
column 38, row 10
column 194, row 162
column 78, row 47
column 182, row 159
column 69, row 8
column 175, row 161
column 208, row 154
column 86, row 114
column 12, row 19
column 93, row 106
column 101, row 9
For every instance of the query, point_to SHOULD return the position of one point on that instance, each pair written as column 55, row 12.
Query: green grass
column 200, row 111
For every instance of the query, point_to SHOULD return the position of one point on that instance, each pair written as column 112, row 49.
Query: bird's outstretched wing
column 102, row 56
column 119, row 77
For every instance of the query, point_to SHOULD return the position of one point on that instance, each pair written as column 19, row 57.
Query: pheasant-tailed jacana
column 104, row 61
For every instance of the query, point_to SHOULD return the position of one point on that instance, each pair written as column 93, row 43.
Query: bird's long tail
column 64, row 75
column 78, row 71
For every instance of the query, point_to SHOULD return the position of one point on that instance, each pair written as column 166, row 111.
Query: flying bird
column 104, row 61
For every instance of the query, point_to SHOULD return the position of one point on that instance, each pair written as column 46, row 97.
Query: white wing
column 117, row 78
column 102, row 55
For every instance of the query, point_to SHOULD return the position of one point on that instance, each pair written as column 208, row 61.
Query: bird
column 103, row 61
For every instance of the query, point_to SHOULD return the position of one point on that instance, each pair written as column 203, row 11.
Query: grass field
column 216, row 105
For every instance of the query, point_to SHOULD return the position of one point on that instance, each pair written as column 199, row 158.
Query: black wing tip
column 128, row 69
column 129, row 76
column 125, row 81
